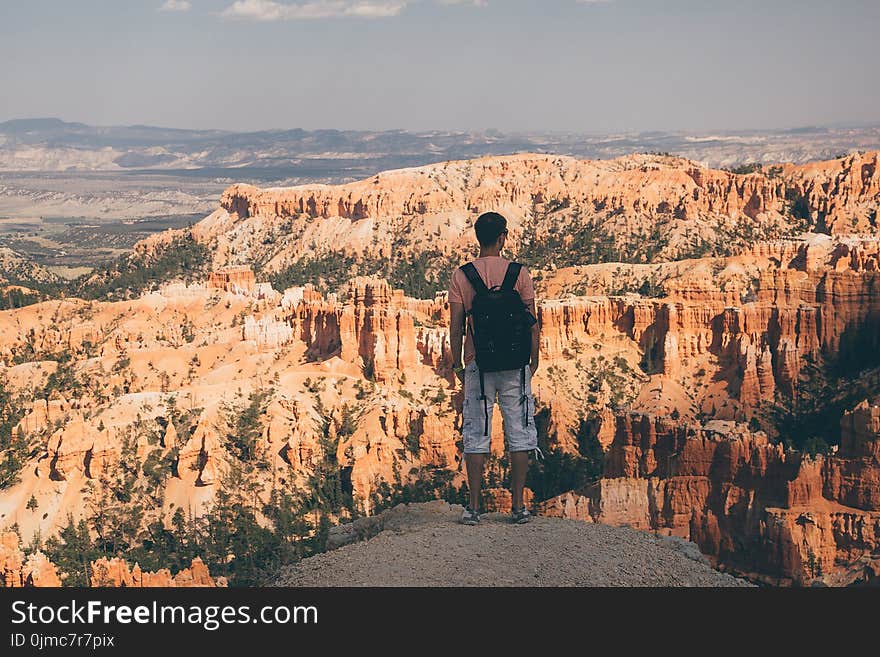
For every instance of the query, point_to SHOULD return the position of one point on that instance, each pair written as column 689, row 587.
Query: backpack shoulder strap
column 511, row 276
column 473, row 277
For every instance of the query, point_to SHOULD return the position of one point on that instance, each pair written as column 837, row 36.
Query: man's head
column 491, row 229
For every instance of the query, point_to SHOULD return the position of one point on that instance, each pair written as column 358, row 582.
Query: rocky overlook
column 422, row 545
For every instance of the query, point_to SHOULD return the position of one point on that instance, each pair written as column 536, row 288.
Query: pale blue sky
column 548, row 65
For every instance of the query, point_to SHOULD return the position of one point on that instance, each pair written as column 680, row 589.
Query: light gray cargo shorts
column 517, row 410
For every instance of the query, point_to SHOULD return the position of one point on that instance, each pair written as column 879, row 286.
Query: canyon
column 676, row 366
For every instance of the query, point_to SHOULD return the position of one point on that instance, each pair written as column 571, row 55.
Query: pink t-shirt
column 492, row 270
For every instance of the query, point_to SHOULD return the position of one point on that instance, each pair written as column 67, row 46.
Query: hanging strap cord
column 485, row 404
column 524, row 398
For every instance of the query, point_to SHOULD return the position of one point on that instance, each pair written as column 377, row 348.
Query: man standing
column 492, row 300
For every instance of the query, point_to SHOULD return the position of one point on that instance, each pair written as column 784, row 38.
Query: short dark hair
column 489, row 227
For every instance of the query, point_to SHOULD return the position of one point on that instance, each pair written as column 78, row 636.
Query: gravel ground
column 423, row 545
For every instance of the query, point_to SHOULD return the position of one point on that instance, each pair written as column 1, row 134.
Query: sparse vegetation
column 799, row 208
column 419, row 275
column 423, row 485
column 808, row 419
column 130, row 275
column 14, row 445
column 245, row 535
column 747, row 168
column 16, row 297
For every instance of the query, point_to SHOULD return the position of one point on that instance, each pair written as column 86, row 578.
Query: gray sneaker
column 469, row 516
column 520, row 516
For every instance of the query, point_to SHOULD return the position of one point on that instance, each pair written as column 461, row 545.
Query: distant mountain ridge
column 51, row 144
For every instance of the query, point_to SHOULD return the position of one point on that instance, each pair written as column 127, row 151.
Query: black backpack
column 500, row 323
column 501, row 327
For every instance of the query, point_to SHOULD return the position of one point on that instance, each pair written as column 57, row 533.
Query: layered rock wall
column 840, row 194
column 637, row 184
column 779, row 516
column 375, row 326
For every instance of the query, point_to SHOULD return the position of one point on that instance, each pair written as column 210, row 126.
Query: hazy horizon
column 517, row 66
column 837, row 125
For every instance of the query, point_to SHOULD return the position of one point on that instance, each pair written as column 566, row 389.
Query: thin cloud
column 473, row 3
column 176, row 5
column 485, row 3
column 268, row 10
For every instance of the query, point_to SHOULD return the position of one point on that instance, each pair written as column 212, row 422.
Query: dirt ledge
column 423, row 545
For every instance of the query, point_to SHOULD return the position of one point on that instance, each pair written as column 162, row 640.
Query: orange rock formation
column 233, row 279
column 776, row 515
column 627, row 198
column 116, row 573
column 17, row 571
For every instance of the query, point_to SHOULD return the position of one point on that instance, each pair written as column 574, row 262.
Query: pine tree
column 72, row 551
column 14, row 445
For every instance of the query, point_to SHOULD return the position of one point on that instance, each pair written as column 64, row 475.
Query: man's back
column 492, row 270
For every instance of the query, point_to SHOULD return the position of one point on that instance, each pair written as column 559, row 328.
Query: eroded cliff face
column 776, row 515
column 839, row 195
column 640, row 184
column 376, row 326
column 166, row 373
column 672, row 204
column 628, row 202
column 733, row 350
column 115, row 573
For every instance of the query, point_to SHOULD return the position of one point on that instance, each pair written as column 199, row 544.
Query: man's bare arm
column 536, row 338
column 456, row 332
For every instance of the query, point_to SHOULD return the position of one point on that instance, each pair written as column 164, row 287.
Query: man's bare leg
column 519, row 462
column 475, row 464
